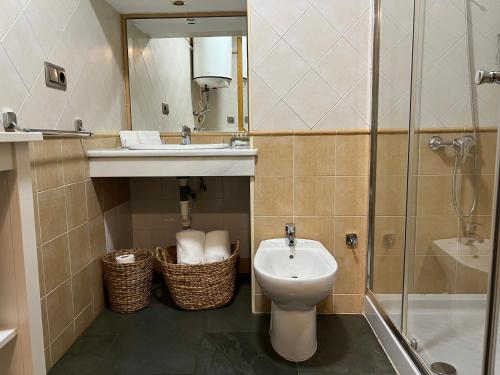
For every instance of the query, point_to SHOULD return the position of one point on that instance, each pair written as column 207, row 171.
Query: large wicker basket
column 199, row 287
column 129, row 285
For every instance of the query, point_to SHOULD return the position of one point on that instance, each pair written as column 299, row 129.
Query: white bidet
column 295, row 279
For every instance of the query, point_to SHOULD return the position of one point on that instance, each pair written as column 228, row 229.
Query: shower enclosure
column 433, row 269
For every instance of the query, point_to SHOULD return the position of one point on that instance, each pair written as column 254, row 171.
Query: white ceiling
column 166, row 6
column 179, row 28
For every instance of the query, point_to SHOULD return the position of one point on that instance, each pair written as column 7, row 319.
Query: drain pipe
column 184, row 191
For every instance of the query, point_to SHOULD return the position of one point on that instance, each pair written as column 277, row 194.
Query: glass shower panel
column 454, row 135
column 396, row 20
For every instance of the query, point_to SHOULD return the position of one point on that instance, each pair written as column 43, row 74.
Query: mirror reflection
column 188, row 72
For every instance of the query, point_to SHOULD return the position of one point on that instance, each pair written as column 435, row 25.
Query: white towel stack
column 190, row 245
column 196, row 247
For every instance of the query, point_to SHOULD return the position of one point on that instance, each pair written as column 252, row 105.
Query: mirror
column 188, row 71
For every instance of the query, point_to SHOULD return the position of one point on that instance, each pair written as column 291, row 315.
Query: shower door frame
column 493, row 297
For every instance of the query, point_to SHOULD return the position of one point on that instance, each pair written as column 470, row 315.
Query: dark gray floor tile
column 86, row 356
column 346, row 345
column 240, row 353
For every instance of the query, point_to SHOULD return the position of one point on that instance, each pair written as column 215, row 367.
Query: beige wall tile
column 436, row 162
column 116, row 190
column 79, row 248
column 76, row 209
column 326, row 306
column 431, row 228
column 392, row 154
column 390, row 196
column 314, row 155
column 48, row 164
column 41, row 276
column 206, row 139
column 471, row 280
column 82, row 290
column 348, row 303
column 262, row 304
column 74, row 160
column 388, row 274
column 315, row 228
column 45, row 323
column 63, row 342
column 83, row 320
column 59, row 309
column 345, row 225
column 48, row 360
column 313, row 196
column 94, row 197
column 433, row 196
column 97, row 237
column 487, row 150
column 56, row 262
column 434, row 274
column 273, row 196
column 350, row 277
column 37, row 220
column 96, row 276
column 384, row 226
column 274, row 156
column 351, row 196
column 353, row 155
column 31, row 148
column 266, row 228
column 484, row 185
column 52, row 208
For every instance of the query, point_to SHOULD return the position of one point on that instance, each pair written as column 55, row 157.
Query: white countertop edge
column 6, row 137
column 115, row 153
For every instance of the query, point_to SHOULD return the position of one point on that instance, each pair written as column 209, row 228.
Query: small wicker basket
column 199, row 287
column 129, row 285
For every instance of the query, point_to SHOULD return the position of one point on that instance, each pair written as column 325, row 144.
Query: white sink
column 163, row 146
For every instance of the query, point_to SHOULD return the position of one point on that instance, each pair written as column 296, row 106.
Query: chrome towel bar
column 10, row 124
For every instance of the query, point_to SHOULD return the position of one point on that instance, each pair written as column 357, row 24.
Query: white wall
column 81, row 35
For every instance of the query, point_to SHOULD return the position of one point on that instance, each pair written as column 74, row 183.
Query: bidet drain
column 443, row 368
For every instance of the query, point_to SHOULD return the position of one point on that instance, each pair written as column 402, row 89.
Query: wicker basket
column 199, row 287
column 129, row 285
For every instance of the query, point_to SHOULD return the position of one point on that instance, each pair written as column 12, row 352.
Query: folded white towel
column 128, row 138
column 149, row 137
column 218, row 243
column 190, row 244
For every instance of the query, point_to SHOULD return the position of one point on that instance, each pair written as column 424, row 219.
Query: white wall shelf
column 7, row 334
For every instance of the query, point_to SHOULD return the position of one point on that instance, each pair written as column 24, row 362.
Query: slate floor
column 163, row 340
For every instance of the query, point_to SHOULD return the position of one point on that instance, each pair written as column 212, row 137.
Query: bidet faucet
column 290, row 234
column 186, row 135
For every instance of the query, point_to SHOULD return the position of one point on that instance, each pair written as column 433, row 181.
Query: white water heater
column 212, row 57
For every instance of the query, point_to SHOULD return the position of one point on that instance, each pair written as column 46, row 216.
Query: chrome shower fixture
column 461, row 145
column 483, row 76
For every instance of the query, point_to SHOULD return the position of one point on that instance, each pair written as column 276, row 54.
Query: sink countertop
column 123, row 152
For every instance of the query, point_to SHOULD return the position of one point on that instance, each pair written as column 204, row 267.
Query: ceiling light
column 179, row 3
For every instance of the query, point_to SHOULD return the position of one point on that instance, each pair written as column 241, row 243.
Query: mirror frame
column 130, row 16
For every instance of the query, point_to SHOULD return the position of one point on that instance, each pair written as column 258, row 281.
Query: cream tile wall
column 444, row 85
column 310, row 64
column 320, row 182
column 81, row 35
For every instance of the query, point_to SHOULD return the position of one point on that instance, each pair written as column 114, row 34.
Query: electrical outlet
column 55, row 76
column 165, row 109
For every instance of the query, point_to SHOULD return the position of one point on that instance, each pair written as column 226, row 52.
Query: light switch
column 53, row 74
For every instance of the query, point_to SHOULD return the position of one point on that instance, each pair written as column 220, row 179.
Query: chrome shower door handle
column 483, row 76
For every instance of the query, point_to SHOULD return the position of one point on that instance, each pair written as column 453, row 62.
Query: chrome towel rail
column 10, row 124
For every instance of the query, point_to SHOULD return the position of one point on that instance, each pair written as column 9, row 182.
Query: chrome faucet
column 290, row 234
column 186, row 135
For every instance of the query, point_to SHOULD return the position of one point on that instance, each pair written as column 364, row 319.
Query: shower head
column 463, row 146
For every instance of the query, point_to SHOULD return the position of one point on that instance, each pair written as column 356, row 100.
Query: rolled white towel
column 213, row 258
column 125, row 259
column 190, row 245
column 217, row 242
